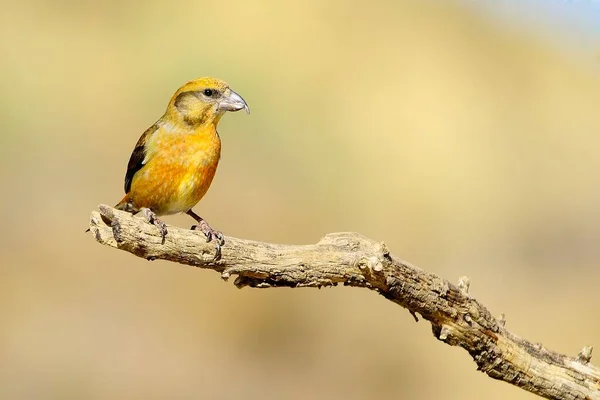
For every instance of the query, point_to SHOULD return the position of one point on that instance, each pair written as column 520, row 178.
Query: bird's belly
column 175, row 185
column 190, row 190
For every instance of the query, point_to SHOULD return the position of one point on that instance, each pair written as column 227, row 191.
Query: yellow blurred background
column 469, row 145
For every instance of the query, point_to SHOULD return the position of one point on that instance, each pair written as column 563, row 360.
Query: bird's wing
column 138, row 157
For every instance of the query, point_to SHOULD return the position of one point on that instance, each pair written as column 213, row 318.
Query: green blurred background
column 467, row 143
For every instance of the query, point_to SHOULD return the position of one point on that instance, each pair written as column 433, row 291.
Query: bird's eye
column 208, row 92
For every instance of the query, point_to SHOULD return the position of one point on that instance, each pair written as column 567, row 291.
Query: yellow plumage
column 175, row 160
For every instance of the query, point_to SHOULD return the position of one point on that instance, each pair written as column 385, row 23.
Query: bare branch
column 353, row 260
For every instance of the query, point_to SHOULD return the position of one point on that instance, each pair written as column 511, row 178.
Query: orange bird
column 174, row 161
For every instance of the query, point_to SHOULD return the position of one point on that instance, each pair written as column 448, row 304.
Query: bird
column 174, row 161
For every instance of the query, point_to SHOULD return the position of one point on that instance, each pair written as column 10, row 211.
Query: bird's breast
column 183, row 166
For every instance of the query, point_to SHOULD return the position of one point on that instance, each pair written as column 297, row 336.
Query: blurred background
column 464, row 134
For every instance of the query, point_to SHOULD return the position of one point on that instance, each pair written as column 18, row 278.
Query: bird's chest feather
column 188, row 163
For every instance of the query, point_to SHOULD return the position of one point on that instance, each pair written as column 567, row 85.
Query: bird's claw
column 220, row 238
column 151, row 217
column 211, row 234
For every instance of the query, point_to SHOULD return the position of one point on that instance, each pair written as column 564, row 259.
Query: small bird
column 174, row 161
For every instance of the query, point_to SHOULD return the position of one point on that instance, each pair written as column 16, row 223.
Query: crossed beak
column 232, row 101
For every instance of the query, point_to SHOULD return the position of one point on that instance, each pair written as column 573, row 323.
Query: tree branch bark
column 353, row 260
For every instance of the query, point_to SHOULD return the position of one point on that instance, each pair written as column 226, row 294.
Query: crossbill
column 174, row 161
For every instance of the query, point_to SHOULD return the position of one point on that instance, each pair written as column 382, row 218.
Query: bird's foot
column 151, row 217
column 211, row 234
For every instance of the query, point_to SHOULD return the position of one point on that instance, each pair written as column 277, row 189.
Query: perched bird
column 174, row 161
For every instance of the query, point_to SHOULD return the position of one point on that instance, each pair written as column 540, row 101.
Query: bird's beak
column 233, row 102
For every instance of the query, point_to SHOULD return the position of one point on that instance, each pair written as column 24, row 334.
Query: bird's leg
column 209, row 232
column 151, row 217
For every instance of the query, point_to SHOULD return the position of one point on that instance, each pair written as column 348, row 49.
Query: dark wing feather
column 136, row 161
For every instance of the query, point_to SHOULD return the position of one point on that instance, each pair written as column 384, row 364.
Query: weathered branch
column 351, row 259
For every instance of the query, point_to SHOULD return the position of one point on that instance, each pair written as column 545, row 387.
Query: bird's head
column 204, row 101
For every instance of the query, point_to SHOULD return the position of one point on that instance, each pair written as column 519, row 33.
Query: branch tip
column 585, row 355
column 501, row 319
column 463, row 285
column 414, row 314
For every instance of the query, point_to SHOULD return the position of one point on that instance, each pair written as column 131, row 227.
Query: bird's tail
column 125, row 205
column 122, row 204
